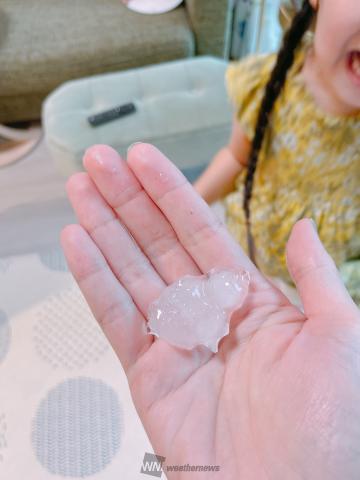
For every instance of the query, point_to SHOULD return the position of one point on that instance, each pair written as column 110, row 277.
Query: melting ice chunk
column 197, row 310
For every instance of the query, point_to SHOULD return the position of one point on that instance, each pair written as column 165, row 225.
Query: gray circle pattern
column 66, row 334
column 5, row 335
column 3, row 441
column 78, row 427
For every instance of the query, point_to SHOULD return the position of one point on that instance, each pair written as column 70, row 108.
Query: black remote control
column 112, row 114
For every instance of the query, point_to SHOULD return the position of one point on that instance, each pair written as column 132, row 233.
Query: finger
column 198, row 229
column 110, row 303
column 137, row 211
column 314, row 272
column 124, row 257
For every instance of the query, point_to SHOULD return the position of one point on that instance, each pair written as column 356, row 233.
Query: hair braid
column 285, row 59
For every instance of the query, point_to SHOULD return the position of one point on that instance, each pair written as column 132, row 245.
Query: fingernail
column 131, row 146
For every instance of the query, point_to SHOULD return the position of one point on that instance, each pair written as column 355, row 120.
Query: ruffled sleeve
column 245, row 82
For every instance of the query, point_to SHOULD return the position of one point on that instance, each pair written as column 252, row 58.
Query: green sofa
column 44, row 43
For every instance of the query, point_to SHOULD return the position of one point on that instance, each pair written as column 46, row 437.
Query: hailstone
column 196, row 310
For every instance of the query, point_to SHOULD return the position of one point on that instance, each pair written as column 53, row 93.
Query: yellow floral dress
column 309, row 166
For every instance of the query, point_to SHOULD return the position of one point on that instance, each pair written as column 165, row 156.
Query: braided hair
column 285, row 59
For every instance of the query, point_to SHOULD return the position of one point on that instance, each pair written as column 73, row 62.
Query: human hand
column 281, row 398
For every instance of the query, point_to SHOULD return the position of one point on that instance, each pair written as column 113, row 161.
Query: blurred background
column 64, row 61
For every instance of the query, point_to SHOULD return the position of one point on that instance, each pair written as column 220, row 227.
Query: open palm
column 281, row 398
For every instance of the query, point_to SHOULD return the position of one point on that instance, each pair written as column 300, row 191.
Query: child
column 295, row 147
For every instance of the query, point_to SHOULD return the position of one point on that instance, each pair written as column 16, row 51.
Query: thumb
column 316, row 277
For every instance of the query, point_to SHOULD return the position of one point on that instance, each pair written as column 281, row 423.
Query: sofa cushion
column 44, row 43
column 181, row 106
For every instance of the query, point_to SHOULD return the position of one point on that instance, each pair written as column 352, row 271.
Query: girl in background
column 294, row 151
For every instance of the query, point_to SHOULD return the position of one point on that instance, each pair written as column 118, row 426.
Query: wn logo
column 152, row 465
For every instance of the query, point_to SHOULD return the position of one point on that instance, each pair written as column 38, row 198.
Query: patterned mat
column 65, row 406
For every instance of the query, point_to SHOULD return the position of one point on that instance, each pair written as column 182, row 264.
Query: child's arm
column 219, row 177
